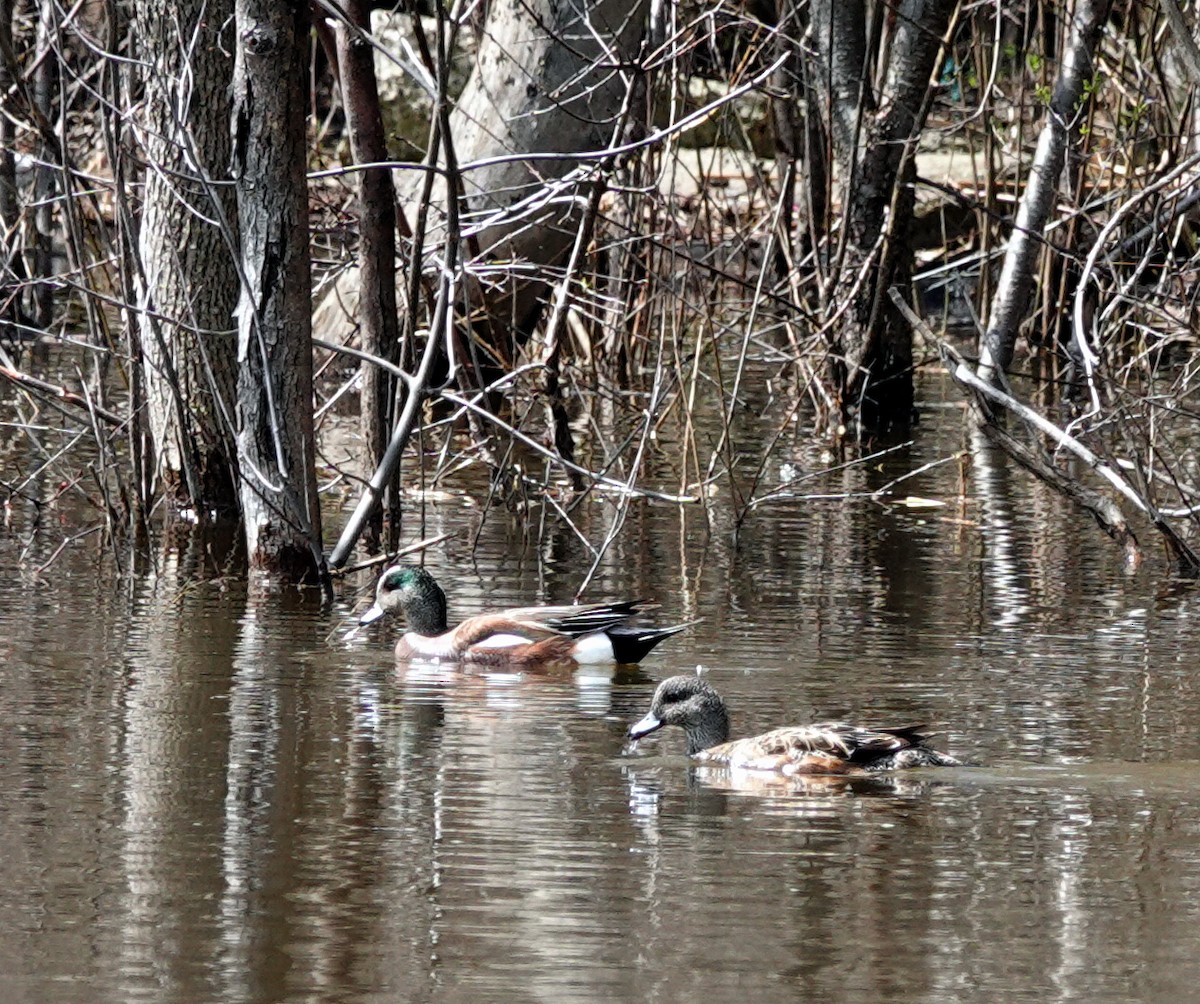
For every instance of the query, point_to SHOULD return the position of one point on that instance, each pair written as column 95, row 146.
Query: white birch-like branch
column 1010, row 306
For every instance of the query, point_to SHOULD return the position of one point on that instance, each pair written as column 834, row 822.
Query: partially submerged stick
column 10, row 372
column 1104, row 510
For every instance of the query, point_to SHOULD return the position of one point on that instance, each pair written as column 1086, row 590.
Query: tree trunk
column 377, row 317
column 276, row 455
column 1015, row 288
column 550, row 77
column 874, row 141
column 187, row 288
column 45, row 89
column 11, row 267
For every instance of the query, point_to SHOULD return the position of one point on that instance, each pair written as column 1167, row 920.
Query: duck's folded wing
column 827, row 737
column 804, row 749
column 577, row 620
column 826, row 748
column 499, row 631
column 834, row 739
column 863, row 745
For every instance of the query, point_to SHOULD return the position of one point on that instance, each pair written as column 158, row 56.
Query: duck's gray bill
column 371, row 615
column 645, row 727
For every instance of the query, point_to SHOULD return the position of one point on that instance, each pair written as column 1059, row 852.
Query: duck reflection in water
column 706, row 791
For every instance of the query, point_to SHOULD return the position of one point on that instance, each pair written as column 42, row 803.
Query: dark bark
column 874, row 141
column 276, row 454
column 378, row 320
column 840, row 33
column 11, row 266
column 45, row 84
column 788, row 122
column 813, row 150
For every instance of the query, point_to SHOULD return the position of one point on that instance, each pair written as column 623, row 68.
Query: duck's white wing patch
column 593, row 649
column 501, row 641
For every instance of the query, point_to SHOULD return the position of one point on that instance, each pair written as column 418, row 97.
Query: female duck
column 525, row 636
column 826, row 748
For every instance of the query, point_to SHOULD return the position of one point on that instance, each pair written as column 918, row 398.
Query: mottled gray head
column 415, row 593
column 690, row 703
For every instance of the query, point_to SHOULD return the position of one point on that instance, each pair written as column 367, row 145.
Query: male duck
column 826, row 748
column 596, row 633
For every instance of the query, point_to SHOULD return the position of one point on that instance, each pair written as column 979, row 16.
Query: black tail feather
column 632, row 644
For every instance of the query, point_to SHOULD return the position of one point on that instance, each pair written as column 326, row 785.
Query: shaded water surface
column 214, row 796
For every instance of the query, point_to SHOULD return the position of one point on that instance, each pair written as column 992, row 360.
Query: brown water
column 209, row 796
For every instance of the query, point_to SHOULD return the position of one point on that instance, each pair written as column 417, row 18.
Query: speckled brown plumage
column 822, row 748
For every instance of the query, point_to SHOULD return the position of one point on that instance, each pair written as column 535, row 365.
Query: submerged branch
column 391, row 556
column 1104, row 510
column 417, row 389
column 613, row 483
column 59, row 393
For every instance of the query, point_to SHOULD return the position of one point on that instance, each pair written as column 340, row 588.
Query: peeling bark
column 550, row 78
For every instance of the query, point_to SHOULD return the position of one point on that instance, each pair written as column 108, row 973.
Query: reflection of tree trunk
column 305, row 767
column 172, row 750
column 873, row 139
column 188, row 282
column 1005, row 575
column 276, row 454
column 547, row 78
